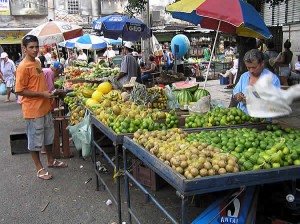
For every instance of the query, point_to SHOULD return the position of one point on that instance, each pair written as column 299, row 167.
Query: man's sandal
column 45, row 176
column 59, row 164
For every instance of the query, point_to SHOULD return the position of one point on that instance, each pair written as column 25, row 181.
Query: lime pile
column 220, row 117
column 255, row 150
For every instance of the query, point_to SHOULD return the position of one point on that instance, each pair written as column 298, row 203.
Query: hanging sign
column 4, row 7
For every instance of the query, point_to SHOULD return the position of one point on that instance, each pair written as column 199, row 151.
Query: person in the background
column 51, row 73
column 296, row 70
column 254, row 60
column 284, row 63
column 231, row 73
column 270, row 53
column 71, row 57
column 61, row 58
column 166, row 60
column 48, row 57
column 139, row 72
column 149, row 68
column 207, row 52
column 7, row 74
column 81, row 55
column 128, row 66
column 42, row 59
column 229, row 52
column 53, row 58
column 109, row 54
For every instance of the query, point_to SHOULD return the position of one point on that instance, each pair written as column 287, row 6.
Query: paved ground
column 67, row 198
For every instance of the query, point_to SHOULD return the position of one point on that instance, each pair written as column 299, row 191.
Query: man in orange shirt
column 36, row 107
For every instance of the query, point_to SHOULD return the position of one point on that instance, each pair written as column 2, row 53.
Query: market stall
column 203, row 182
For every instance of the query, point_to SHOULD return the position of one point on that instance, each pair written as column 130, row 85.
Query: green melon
column 185, row 97
column 200, row 93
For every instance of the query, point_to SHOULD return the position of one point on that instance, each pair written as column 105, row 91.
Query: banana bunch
column 159, row 97
column 113, row 95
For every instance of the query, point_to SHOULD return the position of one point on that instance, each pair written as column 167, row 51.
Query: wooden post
column 65, row 138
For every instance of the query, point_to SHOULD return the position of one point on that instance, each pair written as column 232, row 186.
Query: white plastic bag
column 264, row 100
column 201, row 106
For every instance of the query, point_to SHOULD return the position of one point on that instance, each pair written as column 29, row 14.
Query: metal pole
column 212, row 54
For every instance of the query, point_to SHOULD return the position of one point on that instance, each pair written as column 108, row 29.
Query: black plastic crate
column 18, row 141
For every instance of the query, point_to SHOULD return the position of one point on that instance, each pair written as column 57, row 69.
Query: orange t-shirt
column 30, row 76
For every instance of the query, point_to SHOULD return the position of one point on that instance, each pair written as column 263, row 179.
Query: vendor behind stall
column 129, row 66
column 254, row 60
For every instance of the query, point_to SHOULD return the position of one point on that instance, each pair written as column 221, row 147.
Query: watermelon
column 200, row 93
column 185, row 97
column 192, row 87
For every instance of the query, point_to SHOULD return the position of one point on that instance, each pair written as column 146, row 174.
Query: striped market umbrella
column 54, row 32
column 229, row 16
column 87, row 41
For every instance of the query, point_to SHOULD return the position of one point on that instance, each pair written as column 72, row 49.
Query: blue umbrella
column 87, row 41
column 112, row 41
column 129, row 29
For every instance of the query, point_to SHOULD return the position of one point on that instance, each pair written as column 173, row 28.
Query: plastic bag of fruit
column 81, row 135
column 172, row 99
column 266, row 101
column 201, row 106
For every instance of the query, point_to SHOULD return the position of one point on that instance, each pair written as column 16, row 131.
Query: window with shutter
column 73, row 6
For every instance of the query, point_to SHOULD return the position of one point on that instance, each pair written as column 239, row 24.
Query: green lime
column 297, row 162
column 275, row 165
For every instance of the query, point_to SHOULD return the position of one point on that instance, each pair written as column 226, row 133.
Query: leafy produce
column 58, row 83
column 193, row 160
column 220, row 117
column 80, row 64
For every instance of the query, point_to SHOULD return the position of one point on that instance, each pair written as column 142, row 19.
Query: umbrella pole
column 212, row 54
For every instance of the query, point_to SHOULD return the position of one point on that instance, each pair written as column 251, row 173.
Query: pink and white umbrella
column 54, row 32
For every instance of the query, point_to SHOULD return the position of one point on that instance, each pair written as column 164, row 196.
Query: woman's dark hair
column 28, row 39
column 287, row 44
column 142, row 64
column 151, row 57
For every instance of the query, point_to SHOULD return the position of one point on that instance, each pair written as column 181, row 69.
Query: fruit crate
column 146, row 176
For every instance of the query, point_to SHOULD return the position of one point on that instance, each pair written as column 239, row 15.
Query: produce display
column 58, row 83
column 255, row 150
column 193, row 160
column 188, row 93
column 215, row 152
column 160, row 99
column 97, row 71
column 77, row 114
column 220, row 117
